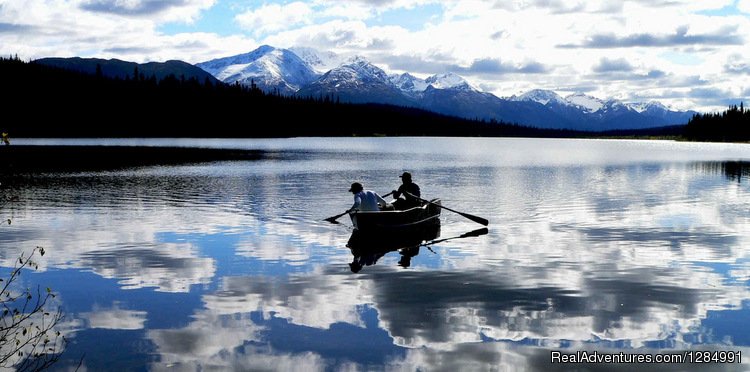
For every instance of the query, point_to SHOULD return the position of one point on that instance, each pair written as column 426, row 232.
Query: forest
column 732, row 125
column 66, row 103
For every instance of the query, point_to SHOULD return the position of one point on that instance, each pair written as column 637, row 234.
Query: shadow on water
column 732, row 170
column 367, row 249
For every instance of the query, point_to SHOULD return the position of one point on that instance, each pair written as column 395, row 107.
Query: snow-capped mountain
column 319, row 61
column 408, row 83
column 540, row 96
column 658, row 110
column 307, row 72
column 588, row 103
column 449, row 81
column 356, row 81
column 271, row 69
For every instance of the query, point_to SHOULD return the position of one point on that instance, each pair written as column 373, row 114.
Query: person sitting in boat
column 407, row 187
column 366, row 200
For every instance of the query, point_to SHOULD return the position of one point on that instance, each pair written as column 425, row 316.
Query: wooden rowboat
column 404, row 221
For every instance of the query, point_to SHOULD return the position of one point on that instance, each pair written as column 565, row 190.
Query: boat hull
column 413, row 219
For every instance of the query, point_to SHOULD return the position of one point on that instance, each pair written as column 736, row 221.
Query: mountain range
column 356, row 80
column 305, row 72
column 115, row 68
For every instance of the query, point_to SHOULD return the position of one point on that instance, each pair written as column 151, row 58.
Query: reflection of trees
column 732, row 170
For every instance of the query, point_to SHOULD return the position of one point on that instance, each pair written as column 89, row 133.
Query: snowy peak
column 541, row 96
column 357, row 81
column 408, row 83
column 216, row 66
column 320, row 61
column 272, row 69
column 614, row 105
column 449, row 81
column 652, row 106
column 587, row 103
column 359, row 69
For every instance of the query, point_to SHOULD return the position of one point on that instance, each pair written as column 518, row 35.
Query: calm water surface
column 631, row 246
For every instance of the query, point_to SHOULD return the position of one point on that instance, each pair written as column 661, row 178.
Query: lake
column 593, row 245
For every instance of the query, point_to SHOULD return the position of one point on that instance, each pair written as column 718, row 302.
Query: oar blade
column 475, row 233
column 334, row 218
column 479, row 220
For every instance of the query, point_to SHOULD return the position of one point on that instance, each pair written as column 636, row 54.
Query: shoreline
column 26, row 158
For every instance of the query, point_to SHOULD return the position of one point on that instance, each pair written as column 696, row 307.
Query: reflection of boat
column 368, row 248
column 416, row 218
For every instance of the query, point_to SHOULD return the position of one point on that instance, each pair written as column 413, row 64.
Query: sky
column 688, row 54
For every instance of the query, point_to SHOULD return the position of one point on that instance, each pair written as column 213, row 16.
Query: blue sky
column 690, row 54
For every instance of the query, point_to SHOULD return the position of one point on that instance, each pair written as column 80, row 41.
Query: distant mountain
column 449, row 81
column 271, row 69
column 540, row 96
column 321, row 62
column 357, row 81
column 307, row 72
column 409, row 84
column 657, row 110
column 585, row 112
column 116, row 68
column 584, row 102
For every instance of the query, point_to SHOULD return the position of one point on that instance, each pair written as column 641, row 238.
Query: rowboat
column 395, row 222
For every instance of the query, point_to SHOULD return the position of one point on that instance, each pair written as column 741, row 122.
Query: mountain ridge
column 356, row 80
column 120, row 69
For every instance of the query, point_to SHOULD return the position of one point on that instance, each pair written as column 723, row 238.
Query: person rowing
column 366, row 200
column 410, row 192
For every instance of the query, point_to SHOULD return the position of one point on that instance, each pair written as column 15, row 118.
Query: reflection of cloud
column 441, row 309
column 115, row 318
column 170, row 268
column 509, row 357
column 334, row 298
column 223, row 342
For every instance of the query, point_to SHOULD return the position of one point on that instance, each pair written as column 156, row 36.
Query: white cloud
column 452, row 33
column 274, row 17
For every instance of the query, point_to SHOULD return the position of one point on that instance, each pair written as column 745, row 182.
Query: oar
column 479, row 220
column 333, row 219
column 475, row 233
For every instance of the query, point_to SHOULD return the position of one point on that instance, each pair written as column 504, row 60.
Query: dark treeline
column 732, row 125
column 63, row 103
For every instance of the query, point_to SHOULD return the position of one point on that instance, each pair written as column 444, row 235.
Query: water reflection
column 732, row 170
column 230, row 265
column 367, row 249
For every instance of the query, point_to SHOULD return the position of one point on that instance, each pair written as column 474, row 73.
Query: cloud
column 724, row 36
column 344, row 37
column 491, row 66
column 275, row 17
column 743, row 6
column 736, row 64
column 185, row 9
column 124, row 7
column 437, row 64
column 613, row 65
column 13, row 27
column 554, row 6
